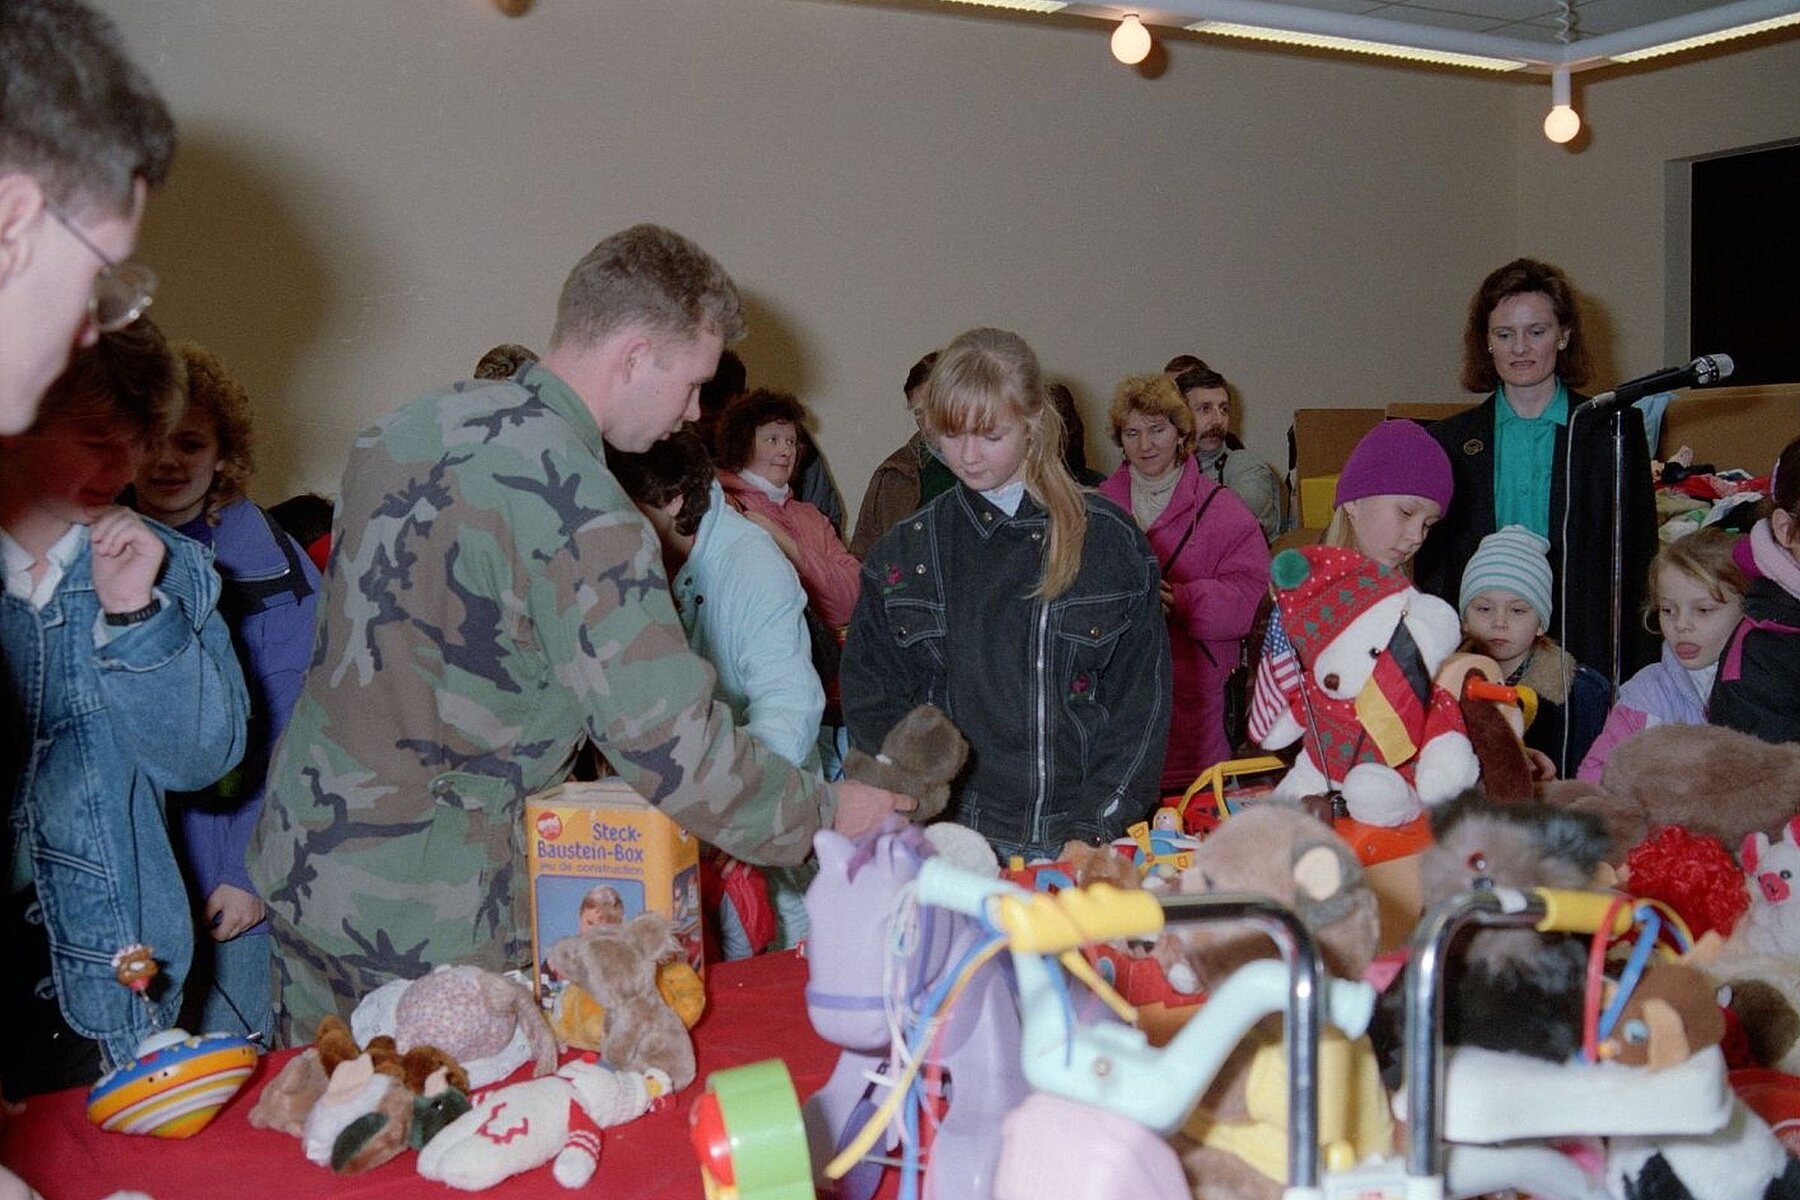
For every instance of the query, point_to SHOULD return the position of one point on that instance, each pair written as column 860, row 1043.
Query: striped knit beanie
column 1513, row 560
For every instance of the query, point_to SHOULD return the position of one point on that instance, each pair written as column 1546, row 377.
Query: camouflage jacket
column 492, row 596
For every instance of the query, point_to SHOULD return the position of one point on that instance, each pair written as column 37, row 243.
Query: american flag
column 1277, row 679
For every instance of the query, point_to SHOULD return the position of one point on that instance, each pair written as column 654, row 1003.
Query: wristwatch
column 136, row 616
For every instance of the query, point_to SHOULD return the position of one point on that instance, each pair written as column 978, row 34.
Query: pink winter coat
column 830, row 573
column 1219, row 572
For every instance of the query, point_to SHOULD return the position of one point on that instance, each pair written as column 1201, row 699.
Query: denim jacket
column 103, row 732
column 1065, row 703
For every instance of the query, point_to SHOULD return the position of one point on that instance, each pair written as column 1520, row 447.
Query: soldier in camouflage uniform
column 493, row 596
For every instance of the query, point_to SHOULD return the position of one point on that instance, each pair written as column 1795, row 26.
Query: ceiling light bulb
column 1131, row 41
column 1563, row 122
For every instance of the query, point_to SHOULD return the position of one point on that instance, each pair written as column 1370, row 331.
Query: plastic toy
column 177, row 1082
column 1105, row 1097
column 1470, row 1134
column 881, row 971
column 746, row 1130
column 176, row 1085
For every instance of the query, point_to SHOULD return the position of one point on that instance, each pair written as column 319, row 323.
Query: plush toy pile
column 422, row 1065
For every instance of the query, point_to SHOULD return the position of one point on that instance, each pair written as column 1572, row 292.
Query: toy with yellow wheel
column 747, row 1132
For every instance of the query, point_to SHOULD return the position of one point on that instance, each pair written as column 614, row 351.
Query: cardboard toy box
column 596, row 852
column 1322, row 440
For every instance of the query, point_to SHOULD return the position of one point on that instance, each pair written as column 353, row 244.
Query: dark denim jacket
column 1065, row 704
column 104, row 733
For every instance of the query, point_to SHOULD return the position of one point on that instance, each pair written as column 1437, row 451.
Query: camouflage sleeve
column 600, row 604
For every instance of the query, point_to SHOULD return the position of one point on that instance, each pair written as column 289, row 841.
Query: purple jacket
column 1660, row 694
column 270, row 590
column 1214, row 558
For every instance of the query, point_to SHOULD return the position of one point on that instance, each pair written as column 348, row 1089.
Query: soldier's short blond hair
column 652, row 277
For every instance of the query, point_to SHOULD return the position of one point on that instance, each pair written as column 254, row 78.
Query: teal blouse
column 1525, row 461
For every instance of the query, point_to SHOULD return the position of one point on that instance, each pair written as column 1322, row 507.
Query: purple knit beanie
column 1397, row 458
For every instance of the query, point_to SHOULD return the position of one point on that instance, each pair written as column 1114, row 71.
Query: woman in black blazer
column 1513, row 464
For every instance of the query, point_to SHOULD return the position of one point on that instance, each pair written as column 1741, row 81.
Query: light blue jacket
column 99, row 734
column 744, row 612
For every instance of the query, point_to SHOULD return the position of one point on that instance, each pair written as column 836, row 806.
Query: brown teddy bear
column 1704, row 778
column 919, row 757
column 616, row 965
column 1234, row 1146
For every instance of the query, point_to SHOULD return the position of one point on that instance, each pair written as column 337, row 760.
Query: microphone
column 1707, row 369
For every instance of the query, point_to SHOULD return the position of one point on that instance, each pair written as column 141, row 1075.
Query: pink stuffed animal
column 1772, row 925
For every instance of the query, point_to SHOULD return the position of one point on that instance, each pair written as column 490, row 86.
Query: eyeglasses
column 122, row 290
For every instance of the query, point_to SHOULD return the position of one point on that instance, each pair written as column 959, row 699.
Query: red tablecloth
column 755, row 1010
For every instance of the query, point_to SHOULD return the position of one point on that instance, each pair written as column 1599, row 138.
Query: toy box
column 598, row 854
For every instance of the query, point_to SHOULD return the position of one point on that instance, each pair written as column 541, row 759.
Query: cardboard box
column 1324, row 437
column 599, row 846
column 1317, row 492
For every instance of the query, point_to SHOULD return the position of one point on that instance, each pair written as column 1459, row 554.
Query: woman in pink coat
column 758, row 456
column 1215, row 563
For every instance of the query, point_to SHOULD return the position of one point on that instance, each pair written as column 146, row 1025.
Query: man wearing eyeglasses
column 83, row 136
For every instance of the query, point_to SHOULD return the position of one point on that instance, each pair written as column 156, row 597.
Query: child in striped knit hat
column 1505, row 606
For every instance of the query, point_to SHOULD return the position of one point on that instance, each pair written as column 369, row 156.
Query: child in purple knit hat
column 1392, row 490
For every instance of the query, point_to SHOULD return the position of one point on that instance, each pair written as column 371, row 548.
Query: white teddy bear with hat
column 1378, row 732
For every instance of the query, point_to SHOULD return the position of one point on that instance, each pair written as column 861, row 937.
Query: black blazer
column 1585, row 631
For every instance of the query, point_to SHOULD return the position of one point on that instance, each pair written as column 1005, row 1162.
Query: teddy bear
column 919, row 757
column 555, row 1119
column 1374, row 727
column 1704, row 778
column 617, row 965
column 1234, row 1146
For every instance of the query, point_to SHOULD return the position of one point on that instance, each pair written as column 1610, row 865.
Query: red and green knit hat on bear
column 1321, row 589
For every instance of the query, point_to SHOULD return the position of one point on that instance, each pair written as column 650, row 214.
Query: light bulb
column 1131, row 41
column 1564, row 122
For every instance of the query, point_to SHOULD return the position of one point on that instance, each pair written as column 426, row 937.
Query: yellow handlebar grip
column 1581, row 912
column 1044, row 923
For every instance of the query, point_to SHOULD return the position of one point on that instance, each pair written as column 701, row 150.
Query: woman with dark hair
column 758, row 451
column 194, row 479
column 744, row 612
column 1519, row 459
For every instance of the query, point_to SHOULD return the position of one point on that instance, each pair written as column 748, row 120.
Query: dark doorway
column 1745, row 285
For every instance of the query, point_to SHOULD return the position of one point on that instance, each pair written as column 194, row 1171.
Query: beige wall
column 1605, row 210
column 369, row 195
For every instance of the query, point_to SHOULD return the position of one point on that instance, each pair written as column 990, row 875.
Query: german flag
column 1391, row 706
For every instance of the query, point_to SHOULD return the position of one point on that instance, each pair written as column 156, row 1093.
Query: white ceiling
column 1529, row 31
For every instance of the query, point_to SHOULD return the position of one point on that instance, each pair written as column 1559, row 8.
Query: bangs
column 972, row 401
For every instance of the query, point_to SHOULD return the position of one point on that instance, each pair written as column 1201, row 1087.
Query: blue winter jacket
column 100, row 733
column 270, row 591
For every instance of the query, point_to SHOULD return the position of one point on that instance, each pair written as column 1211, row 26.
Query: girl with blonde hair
column 1696, row 597
column 1026, row 609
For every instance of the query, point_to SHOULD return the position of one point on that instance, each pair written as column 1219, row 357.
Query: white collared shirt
column 18, row 562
